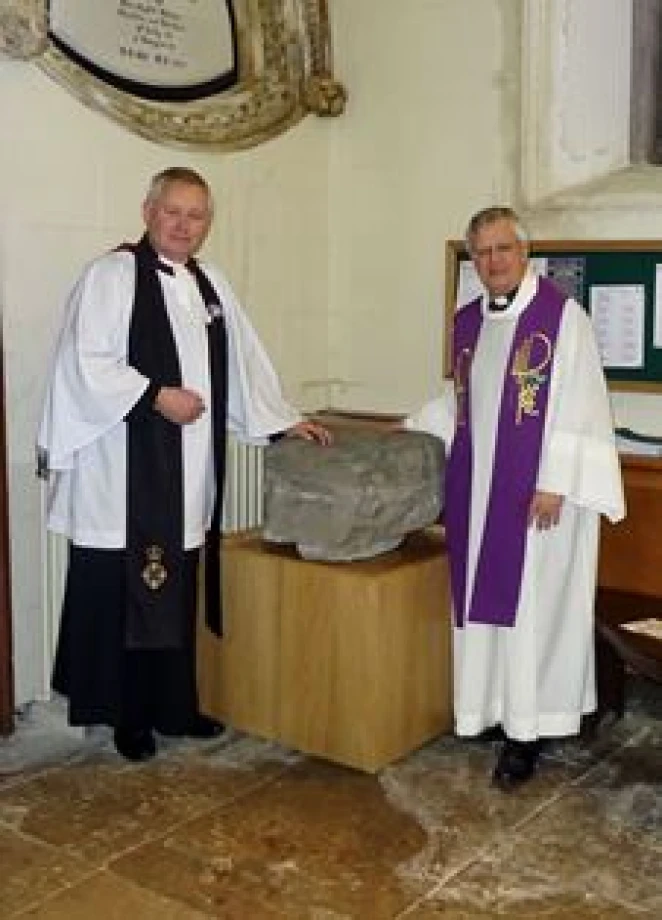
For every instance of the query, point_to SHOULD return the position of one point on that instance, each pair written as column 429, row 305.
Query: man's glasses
column 500, row 249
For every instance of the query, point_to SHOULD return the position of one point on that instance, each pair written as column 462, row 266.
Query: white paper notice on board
column 617, row 311
column 657, row 318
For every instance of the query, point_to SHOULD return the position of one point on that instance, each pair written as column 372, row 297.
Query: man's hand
column 310, row 431
column 179, row 405
column 545, row 510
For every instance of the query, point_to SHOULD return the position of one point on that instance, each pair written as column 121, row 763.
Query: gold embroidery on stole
column 529, row 378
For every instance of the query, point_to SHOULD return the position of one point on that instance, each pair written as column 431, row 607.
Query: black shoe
column 199, row 727
column 204, row 727
column 489, row 735
column 516, row 764
column 135, row 743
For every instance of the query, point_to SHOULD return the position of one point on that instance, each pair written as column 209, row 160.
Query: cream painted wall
column 71, row 184
column 428, row 137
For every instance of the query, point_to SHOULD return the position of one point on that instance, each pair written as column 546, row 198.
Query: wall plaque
column 218, row 74
column 154, row 49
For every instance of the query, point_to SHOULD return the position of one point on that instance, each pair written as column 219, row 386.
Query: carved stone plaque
column 154, row 49
column 215, row 74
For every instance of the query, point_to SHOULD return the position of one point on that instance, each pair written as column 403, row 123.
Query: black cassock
column 126, row 652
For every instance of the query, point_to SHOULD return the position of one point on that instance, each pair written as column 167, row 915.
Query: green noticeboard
column 618, row 282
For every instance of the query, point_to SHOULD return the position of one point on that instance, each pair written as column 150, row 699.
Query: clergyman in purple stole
column 496, row 585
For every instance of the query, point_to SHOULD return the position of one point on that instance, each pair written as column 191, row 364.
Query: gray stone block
column 355, row 499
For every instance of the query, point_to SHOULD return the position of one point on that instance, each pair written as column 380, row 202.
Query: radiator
column 242, row 510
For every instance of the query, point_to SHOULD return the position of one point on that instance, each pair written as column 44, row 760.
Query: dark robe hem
column 104, row 682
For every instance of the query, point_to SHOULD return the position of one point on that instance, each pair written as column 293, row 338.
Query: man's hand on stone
column 310, row 431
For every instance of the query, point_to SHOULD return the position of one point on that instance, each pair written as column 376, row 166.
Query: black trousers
column 105, row 683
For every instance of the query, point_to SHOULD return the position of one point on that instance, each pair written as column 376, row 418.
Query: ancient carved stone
column 355, row 499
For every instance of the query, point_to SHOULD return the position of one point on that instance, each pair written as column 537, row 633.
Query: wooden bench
column 630, row 584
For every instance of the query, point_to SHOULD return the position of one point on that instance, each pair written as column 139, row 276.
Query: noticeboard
column 618, row 282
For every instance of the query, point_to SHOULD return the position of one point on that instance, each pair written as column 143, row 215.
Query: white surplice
column 537, row 678
column 92, row 388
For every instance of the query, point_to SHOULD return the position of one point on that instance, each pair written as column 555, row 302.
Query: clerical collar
column 162, row 263
column 502, row 301
column 165, row 265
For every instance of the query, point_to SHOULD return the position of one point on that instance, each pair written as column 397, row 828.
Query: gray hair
column 491, row 215
column 178, row 174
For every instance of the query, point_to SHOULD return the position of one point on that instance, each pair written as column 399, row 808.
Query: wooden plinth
column 348, row 661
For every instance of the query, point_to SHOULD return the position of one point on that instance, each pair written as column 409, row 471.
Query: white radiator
column 242, row 510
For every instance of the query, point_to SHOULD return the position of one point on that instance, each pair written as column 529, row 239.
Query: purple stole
column 525, row 391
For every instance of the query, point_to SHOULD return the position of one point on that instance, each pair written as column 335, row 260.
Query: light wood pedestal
column 348, row 661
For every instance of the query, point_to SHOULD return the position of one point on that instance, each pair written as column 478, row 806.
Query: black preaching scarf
column 218, row 367
column 154, row 553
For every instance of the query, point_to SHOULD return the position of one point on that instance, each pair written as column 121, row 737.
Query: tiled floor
column 242, row 829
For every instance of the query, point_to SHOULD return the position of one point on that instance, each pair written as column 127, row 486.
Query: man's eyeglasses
column 500, row 249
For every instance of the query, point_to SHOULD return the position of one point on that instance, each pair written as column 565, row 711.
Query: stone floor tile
column 32, row 870
column 595, row 852
column 626, row 791
column 320, row 841
column 106, row 897
column 561, row 910
column 447, row 788
column 41, row 740
column 99, row 807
